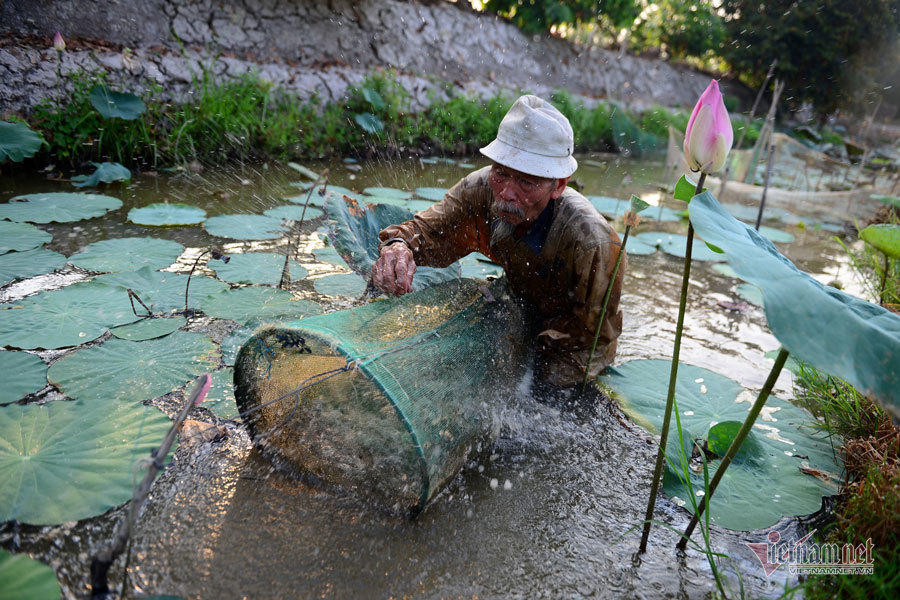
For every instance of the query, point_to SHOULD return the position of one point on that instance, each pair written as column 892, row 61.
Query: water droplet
column 494, row 483
column 507, row 485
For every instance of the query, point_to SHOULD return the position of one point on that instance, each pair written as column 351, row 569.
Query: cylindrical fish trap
column 397, row 424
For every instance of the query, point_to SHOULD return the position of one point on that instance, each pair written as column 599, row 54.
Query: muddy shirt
column 561, row 266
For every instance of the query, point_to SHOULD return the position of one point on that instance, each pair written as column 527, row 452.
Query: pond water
column 551, row 509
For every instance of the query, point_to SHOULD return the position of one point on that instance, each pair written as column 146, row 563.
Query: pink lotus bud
column 201, row 393
column 58, row 42
column 709, row 136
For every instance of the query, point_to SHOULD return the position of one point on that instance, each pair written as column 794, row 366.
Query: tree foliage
column 830, row 52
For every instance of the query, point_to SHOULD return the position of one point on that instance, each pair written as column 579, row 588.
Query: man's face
column 519, row 197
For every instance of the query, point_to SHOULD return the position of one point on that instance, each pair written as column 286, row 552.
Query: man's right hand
column 394, row 270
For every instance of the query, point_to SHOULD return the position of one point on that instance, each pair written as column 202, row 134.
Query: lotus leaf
column 401, row 202
column 164, row 214
column 105, row 172
column 754, row 493
column 889, row 200
column 148, row 329
column 23, row 577
column 330, row 255
column 74, row 315
column 163, row 292
column 18, row 141
column 465, row 165
column 776, row 235
column 233, row 342
column 25, row 374
column 884, row 236
column 303, row 170
column 726, row 270
column 314, row 199
column 685, row 189
column 612, row 207
column 675, row 244
column 476, row 268
column 833, row 331
column 341, row 284
column 253, row 303
column 373, row 98
column 256, row 267
column 19, row 265
column 661, row 213
column 58, row 207
column 119, row 105
column 637, row 247
column 432, row 193
column 65, row 461
column 127, row 254
column 133, row 371
column 791, row 364
column 419, row 205
column 220, row 399
column 294, row 212
column 21, row 236
column 750, row 293
column 388, row 192
column 369, row 123
column 245, row 227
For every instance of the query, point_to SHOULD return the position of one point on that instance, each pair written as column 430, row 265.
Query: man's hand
column 394, row 270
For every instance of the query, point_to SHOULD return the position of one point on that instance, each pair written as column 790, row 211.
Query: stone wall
column 316, row 47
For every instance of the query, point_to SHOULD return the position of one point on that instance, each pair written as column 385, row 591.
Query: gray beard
column 502, row 231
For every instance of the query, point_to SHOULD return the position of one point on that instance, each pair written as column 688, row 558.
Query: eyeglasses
column 502, row 177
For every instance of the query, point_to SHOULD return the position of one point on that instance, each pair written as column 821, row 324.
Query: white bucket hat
column 534, row 138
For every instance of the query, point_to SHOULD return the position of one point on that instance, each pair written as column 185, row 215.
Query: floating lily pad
column 474, row 267
column 330, row 255
column 133, row 371
column 148, row 329
column 791, row 364
column 104, row 172
column 163, row 292
column 432, row 193
column 23, row 577
column 245, row 227
column 760, row 486
column 726, row 270
column 776, row 235
column 74, row 315
column 25, row 374
column 164, row 214
column 305, row 171
column 293, row 212
column 18, row 141
column 21, row 236
column 58, row 207
column 253, row 303
column 750, row 293
column 330, row 189
column 636, row 247
column 220, row 399
column 419, row 205
column 388, row 192
column 120, row 105
column 233, row 342
column 66, row 461
column 341, row 284
column 256, row 267
column 614, row 207
column 127, row 254
column 884, row 236
column 402, row 202
column 675, row 244
column 19, row 265
column 861, row 341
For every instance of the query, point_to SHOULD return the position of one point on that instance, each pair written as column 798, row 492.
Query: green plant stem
column 737, row 442
column 612, row 280
column 673, row 375
column 292, row 244
column 884, row 274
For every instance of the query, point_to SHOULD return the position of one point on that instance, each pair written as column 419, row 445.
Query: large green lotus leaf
column 120, row 105
column 73, row 315
column 104, row 172
column 330, row 255
column 58, row 207
column 750, row 293
column 19, row 265
column 884, row 236
column 612, row 207
column 17, row 141
column 474, row 267
column 161, row 291
column 637, row 247
column 257, row 303
column 232, row 343
column 293, row 212
column 220, row 399
column 26, row 374
column 387, row 191
column 753, row 493
column 675, row 244
column 148, row 329
column 133, row 371
column 256, row 267
column 245, row 227
column 305, row 171
column 401, row 202
column 23, row 577
column 341, row 284
column 355, row 236
column 21, row 236
column 163, row 214
column 127, row 254
column 776, row 235
column 431, row 193
column 66, row 461
column 314, row 199
column 418, row 205
column 726, row 270
column 833, row 331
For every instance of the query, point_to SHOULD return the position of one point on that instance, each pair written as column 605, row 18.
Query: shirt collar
column 536, row 235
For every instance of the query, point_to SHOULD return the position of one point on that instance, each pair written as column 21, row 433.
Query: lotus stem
column 737, row 442
column 286, row 269
column 612, row 280
column 762, row 202
column 216, row 253
column 673, row 375
column 884, row 274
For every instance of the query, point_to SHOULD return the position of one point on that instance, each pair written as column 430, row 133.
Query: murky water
column 548, row 511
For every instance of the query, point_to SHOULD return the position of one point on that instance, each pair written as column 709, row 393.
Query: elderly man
column 557, row 250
